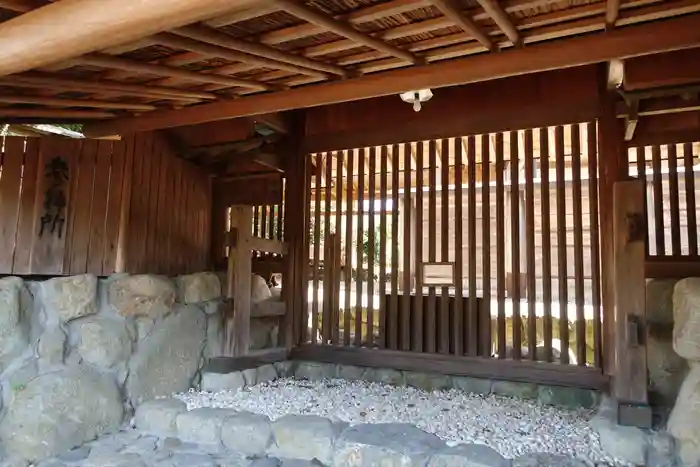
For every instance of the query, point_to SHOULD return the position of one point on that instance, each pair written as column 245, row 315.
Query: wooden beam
column 451, row 11
column 55, row 114
column 328, row 22
column 611, row 13
column 59, row 102
column 670, row 69
column 237, row 327
column 625, row 42
column 242, row 15
column 21, row 6
column 106, row 61
column 631, row 120
column 221, row 39
column 79, row 27
column 274, row 121
column 41, row 81
column 500, row 17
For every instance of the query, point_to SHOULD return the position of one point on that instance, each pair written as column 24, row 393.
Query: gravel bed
column 511, row 426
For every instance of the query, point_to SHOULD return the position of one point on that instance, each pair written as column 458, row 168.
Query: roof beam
column 107, row 61
column 500, row 17
column 612, row 11
column 55, row 114
column 450, row 11
column 328, row 22
column 274, row 121
column 58, row 102
column 644, row 39
column 221, row 39
column 79, row 27
column 674, row 69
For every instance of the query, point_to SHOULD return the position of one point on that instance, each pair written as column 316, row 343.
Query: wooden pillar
column 238, row 281
column 296, row 231
column 630, row 380
column 612, row 156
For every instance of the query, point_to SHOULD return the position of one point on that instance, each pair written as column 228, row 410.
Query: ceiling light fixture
column 416, row 97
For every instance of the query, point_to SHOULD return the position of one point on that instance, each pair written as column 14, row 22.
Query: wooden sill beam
column 221, row 39
column 328, row 22
column 500, row 17
column 450, row 11
column 644, row 39
column 79, row 27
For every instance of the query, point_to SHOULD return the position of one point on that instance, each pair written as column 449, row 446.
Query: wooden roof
column 273, row 46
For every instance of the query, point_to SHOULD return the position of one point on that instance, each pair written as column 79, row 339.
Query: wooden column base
column 638, row 415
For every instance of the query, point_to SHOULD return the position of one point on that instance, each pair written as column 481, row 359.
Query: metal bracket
column 635, row 227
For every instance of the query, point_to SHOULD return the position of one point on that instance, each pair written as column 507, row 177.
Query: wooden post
column 612, row 156
column 630, row 381
column 238, row 281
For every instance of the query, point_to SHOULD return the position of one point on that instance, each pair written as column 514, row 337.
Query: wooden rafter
column 321, row 19
column 105, row 61
column 222, row 39
column 59, row 102
column 79, row 27
column 612, row 12
column 40, row 81
column 55, row 113
column 649, row 38
column 450, row 10
column 500, row 17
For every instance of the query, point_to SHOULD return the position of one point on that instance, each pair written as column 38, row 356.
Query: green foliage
column 70, row 126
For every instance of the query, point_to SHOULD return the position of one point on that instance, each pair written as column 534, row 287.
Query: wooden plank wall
column 524, row 256
column 105, row 207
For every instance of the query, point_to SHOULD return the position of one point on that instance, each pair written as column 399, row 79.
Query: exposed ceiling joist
column 612, row 12
column 221, row 39
column 451, row 11
column 500, row 17
column 79, row 27
column 60, row 102
column 649, row 38
column 328, row 22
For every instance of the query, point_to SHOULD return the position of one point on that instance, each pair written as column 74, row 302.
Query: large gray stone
column 388, row 445
column 626, row 443
column 314, row 371
column 684, row 422
column 666, row 368
column 159, row 416
column 14, row 305
column 545, row 459
column 304, row 437
column 259, row 289
column 514, row 389
column 247, row 433
column 661, row 451
column 114, row 460
column 103, row 341
column 427, row 381
column 142, row 295
column 472, row 385
column 468, row 455
column 263, row 333
column 199, row 287
column 265, row 374
column 284, row 369
column 686, row 313
column 203, row 425
column 222, row 381
column 186, row 459
column 350, row 372
column 168, row 361
column 384, row 375
column 566, row 397
column 71, row 297
column 58, row 411
column 215, row 336
column 51, row 347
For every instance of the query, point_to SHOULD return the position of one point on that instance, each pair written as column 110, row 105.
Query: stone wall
column 78, row 354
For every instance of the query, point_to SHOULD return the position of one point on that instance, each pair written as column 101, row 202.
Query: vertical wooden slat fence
column 475, row 247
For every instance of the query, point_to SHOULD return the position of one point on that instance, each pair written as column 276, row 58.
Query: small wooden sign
column 439, row 274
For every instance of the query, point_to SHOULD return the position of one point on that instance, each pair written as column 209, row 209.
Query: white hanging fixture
column 417, row 97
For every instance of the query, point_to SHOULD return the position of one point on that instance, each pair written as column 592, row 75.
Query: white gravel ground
column 511, row 426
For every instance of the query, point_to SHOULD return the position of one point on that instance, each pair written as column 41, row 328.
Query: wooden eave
column 269, row 49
